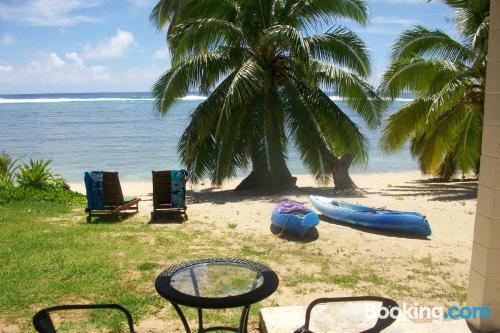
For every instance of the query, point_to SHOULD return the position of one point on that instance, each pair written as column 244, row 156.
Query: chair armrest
column 44, row 312
column 127, row 205
column 380, row 324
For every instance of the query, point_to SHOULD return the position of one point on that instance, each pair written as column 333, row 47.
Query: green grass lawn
column 49, row 255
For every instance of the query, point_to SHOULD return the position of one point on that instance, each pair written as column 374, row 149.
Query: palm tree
column 443, row 123
column 263, row 68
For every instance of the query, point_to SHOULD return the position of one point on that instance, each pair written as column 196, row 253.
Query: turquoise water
column 120, row 131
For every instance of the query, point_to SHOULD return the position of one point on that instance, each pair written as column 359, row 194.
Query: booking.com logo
column 435, row 313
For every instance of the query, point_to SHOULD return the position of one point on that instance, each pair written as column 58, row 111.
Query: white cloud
column 6, row 68
column 162, row 54
column 113, row 47
column 396, row 20
column 56, row 61
column 50, row 73
column 48, row 12
column 75, row 57
column 8, row 39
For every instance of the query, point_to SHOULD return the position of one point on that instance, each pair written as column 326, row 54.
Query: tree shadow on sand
column 111, row 219
column 212, row 195
column 166, row 218
column 437, row 189
column 386, row 233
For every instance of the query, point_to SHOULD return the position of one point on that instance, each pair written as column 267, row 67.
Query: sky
column 66, row 46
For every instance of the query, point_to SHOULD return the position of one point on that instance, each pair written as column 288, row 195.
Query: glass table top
column 216, row 280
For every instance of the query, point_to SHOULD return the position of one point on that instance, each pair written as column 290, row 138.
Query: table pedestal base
column 241, row 329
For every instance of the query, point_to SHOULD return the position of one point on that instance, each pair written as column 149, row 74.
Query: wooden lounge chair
column 162, row 194
column 113, row 200
column 43, row 323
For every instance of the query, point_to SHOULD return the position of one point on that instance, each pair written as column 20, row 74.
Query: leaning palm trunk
column 340, row 173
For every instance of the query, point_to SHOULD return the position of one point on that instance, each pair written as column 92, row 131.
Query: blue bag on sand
column 178, row 188
column 93, row 186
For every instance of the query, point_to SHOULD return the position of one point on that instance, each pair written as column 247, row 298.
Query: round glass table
column 216, row 283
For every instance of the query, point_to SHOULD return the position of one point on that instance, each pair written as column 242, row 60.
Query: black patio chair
column 380, row 325
column 43, row 323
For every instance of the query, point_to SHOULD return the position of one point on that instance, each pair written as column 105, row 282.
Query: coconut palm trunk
column 261, row 178
column 340, row 173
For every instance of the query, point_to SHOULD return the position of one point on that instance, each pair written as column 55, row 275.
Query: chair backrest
column 169, row 188
column 162, row 183
column 43, row 323
column 380, row 325
column 112, row 194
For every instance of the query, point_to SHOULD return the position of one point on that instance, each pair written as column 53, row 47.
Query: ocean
column 122, row 132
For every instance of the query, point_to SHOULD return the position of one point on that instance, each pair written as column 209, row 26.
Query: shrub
column 8, row 169
column 36, row 174
column 54, row 193
column 35, row 181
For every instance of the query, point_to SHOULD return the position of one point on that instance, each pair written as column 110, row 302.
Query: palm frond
column 339, row 130
column 402, row 125
column 164, row 11
column 480, row 38
column 246, row 84
column 309, row 12
column 287, row 39
column 468, row 142
column 417, row 74
column 198, row 137
column 356, row 91
column 202, row 35
column 342, row 47
column 306, row 134
column 430, row 44
column 470, row 15
column 433, row 144
column 175, row 83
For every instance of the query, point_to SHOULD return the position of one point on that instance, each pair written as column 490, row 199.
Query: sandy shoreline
column 449, row 207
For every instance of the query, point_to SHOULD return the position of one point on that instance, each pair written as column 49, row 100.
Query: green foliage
column 36, row 174
column 8, row 169
column 444, row 123
column 56, row 193
column 264, row 73
column 35, row 183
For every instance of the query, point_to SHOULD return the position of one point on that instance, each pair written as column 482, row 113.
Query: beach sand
column 449, row 207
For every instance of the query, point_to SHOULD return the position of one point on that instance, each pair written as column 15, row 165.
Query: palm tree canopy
column 263, row 67
column 443, row 124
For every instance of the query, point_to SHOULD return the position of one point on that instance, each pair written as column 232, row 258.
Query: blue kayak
column 391, row 220
column 294, row 218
